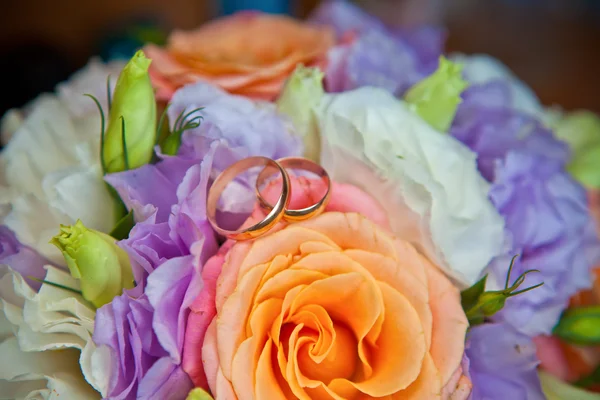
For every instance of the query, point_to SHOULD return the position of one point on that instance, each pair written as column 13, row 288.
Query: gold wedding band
column 276, row 212
column 298, row 163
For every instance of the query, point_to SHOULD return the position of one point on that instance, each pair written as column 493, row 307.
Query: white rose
column 427, row 181
column 47, row 338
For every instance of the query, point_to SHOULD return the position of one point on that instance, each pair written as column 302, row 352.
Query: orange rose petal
column 224, row 390
column 310, row 247
column 280, row 284
column 279, row 264
column 358, row 232
column 231, row 320
column 401, row 347
column 316, row 317
column 385, row 269
column 286, row 241
column 428, row 385
column 249, row 351
column 323, row 392
column 343, row 389
column 267, row 384
column 333, row 263
column 352, row 298
column 449, row 321
column 292, row 373
column 276, row 330
column 411, row 259
column 339, row 361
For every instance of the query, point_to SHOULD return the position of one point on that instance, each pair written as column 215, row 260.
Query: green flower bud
column 581, row 130
column 130, row 136
column 492, row 302
column 198, row 394
column 580, row 326
column 555, row 389
column 302, row 93
column 94, row 258
column 437, row 97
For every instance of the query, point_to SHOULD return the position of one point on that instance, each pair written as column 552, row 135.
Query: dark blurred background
column 553, row 45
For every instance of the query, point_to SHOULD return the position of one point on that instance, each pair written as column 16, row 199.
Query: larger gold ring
column 304, row 164
column 276, row 212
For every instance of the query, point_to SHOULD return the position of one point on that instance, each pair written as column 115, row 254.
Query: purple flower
column 373, row 54
column 247, row 128
column 489, row 126
column 20, row 258
column 548, row 219
column 503, row 364
column 145, row 334
column 144, row 328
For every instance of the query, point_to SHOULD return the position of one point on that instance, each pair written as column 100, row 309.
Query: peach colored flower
column 333, row 307
column 249, row 53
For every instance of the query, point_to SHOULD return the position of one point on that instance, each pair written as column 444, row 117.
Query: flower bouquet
column 272, row 209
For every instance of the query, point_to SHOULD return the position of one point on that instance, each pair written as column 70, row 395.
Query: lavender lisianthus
column 486, row 122
column 503, row 364
column 144, row 327
column 145, row 333
column 548, row 218
column 373, row 54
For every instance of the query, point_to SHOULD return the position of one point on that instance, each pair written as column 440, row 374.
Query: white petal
column 50, row 325
column 68, row 195
column 427, row 182
column 49, row 374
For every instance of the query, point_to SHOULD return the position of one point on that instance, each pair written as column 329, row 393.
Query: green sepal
column 580, row 326
column 469, row 297
column 170, row 144
column 479, row 304
column 123, row 227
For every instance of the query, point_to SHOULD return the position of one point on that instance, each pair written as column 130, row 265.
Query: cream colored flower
column 50, row 170
column 427, row 182
column 47, row 338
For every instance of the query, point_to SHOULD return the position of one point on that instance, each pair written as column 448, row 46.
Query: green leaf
column 469, row 297
column 580, row 326
column 123, row 227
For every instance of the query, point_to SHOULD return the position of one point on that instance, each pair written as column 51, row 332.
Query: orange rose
column 330, row 308
column 249, row 53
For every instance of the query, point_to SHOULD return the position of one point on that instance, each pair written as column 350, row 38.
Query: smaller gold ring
column 304, row 164
column 276, row 212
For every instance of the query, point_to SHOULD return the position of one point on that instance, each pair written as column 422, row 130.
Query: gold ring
column 276, row 212
column 305, row 165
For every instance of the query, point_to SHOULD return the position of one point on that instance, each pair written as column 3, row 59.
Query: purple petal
column 503, row 364
column 21, row 258
column 172, row 287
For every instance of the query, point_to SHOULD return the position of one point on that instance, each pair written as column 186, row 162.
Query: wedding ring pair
column 279, row 210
